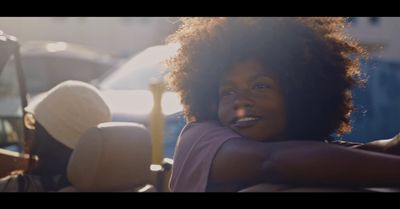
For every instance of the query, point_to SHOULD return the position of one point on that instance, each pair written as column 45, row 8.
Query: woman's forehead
column 246, row 70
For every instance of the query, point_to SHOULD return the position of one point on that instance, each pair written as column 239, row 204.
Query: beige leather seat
column 113, row 156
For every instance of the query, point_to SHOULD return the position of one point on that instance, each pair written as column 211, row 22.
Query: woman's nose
column 243, row 100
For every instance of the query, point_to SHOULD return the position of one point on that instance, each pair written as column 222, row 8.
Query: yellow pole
column 156, row 122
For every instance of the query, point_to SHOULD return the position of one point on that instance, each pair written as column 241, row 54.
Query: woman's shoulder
column 207, row 128
column 203, row 124
column 204, row 131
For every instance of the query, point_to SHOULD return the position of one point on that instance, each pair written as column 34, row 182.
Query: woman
column 263, row 97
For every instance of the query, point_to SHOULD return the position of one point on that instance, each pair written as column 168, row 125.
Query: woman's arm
column 388, row 146
column 303, row 163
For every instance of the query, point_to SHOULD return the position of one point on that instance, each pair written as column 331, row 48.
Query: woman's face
column 251, row 103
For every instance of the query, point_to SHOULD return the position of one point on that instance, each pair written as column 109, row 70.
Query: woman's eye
column 227, row 92
column 261, row 86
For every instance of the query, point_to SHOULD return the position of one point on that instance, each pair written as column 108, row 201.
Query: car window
column 11, row 129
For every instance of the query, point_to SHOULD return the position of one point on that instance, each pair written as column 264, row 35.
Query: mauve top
column 197, row 146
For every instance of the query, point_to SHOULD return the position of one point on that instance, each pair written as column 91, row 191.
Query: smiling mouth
column 245, row 122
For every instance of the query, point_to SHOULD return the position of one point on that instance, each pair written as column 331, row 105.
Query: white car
column 126, row 90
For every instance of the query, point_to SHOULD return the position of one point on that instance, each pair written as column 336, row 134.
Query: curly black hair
column 314, row 60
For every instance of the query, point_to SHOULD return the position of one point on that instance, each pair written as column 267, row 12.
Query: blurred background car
column 126, row 90
column 45, row 64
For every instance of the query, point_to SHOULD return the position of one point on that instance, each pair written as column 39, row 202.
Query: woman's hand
column 388, row 146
